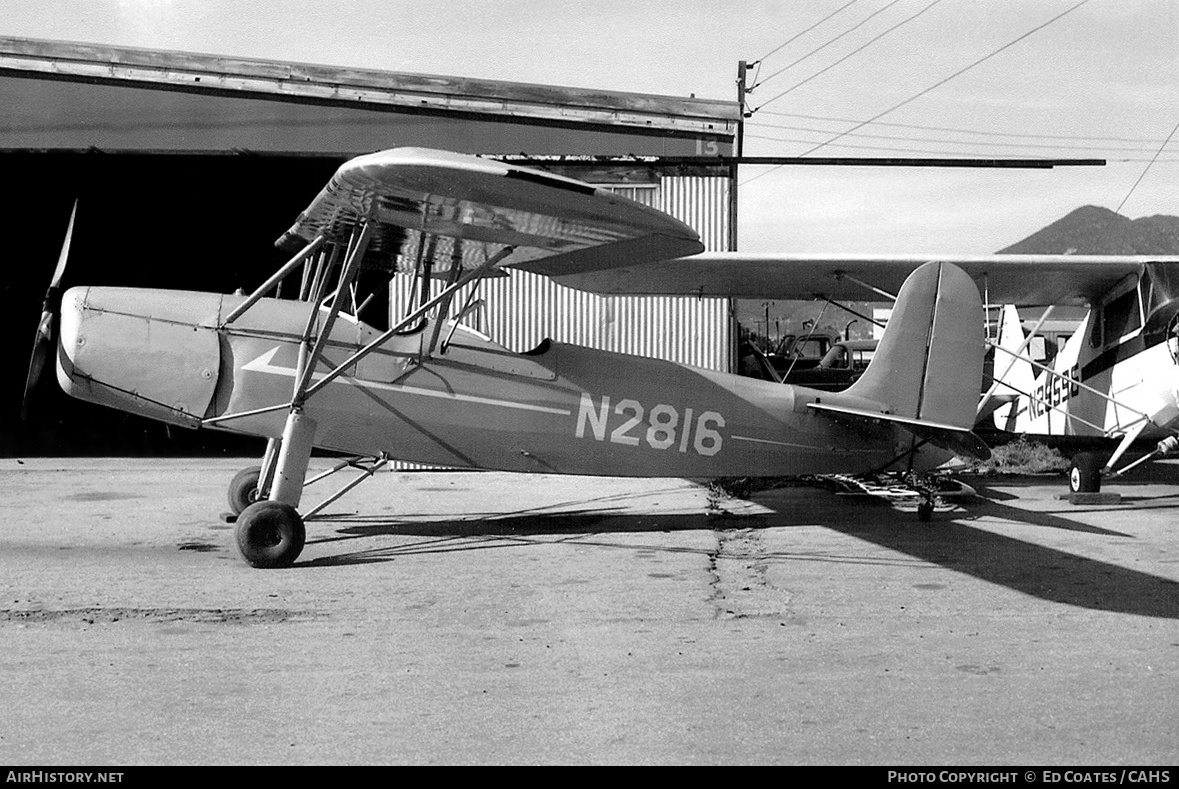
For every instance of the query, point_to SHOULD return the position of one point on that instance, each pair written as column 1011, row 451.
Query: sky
column 1002, row 78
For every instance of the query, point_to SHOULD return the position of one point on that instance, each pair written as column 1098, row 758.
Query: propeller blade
column 43, row 343
column 65, row 250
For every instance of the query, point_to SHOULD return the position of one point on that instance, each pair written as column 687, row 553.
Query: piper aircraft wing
column 446, row 207
column 1023, row 280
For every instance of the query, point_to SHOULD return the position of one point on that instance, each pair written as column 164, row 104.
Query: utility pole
column 742, row 68
column 742, row 91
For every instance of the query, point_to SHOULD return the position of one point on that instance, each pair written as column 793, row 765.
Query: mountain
column 1091, row 230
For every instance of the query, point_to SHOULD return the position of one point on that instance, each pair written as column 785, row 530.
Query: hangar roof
column 631, row 114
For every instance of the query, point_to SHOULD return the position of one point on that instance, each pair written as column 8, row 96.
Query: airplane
column 1115, row 377
column 310, row 373
column 1114, row 384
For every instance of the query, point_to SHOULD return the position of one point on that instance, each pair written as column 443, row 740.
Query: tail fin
column 927, row 370
column 929, row 363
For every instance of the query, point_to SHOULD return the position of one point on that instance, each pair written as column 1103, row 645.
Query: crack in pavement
column 740, row 586
column 95, row 615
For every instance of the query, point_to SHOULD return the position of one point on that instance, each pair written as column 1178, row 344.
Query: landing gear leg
column 271, row 533
column 293, row 456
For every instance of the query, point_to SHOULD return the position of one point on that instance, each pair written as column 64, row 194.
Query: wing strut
column 846, row 308
column 366, row 471
column 841, row 275
column 456, row 270
column 308, row 360
column 471, row 304
column 309, row 357
column 445, row 295
column 279, row 275
column 1017, row 354
column 1053, row 374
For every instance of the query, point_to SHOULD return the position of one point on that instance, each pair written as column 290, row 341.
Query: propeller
column 43, row 344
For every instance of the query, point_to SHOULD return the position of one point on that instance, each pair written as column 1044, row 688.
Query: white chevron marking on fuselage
column 265, row 364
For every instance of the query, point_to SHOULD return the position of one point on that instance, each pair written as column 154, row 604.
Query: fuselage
column 559, row 409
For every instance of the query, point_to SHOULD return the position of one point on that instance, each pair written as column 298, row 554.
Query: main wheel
column 243, row 489
column 1084, row 473
column 270, row 534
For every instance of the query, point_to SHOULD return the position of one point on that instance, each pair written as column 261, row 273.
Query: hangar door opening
column 208, row 222
column 182, row 222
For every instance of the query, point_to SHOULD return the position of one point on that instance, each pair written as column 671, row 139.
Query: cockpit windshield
column 1160, row 296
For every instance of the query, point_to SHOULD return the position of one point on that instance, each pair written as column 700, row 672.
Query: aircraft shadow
column 949, row 541
column 480, row 531
column 1040, row 571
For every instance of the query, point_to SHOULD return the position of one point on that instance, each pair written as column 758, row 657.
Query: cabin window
column 1119, row 317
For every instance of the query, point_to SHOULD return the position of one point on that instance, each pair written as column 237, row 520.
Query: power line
column 823, row 46
column 957, row 73
column 1146, row 169
column 939, row 83
column 851, row 54
column 804, row 32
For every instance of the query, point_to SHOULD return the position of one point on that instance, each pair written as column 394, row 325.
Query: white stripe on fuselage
column 265, row 364
column 840, row 450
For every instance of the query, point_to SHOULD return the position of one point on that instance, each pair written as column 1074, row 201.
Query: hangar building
column 187, row 167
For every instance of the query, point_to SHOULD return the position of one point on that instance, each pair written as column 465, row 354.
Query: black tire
column 270, row 534
column 1084, row 473
column 243, row 490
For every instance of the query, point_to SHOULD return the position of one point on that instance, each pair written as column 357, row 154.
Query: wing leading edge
column 451, row 207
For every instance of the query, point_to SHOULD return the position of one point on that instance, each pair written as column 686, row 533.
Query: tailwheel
column 925, row 510
column 1084, row 473
column 270, row 534
column 926, row 489
column 243, row 489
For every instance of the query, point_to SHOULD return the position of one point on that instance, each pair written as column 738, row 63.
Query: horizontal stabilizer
column 959, row 440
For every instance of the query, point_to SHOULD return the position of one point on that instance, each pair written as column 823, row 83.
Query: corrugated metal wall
column 522, row 309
